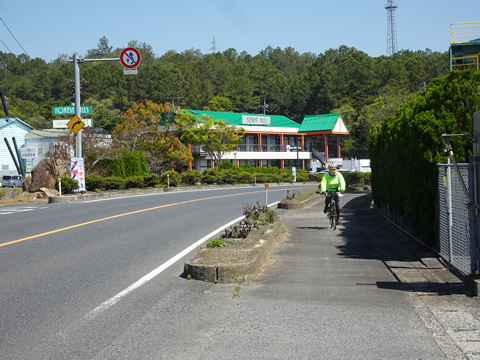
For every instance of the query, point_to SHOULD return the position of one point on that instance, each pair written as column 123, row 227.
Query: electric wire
column 25, row 51
column 23, row 32
column 10, row 51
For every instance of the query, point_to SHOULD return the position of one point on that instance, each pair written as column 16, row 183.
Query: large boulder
column 43, row 175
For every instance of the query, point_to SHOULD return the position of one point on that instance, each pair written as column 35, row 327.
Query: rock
column 43, row 175
column 45, row 193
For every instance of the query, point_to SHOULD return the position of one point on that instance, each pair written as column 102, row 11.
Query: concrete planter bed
column 239, row 261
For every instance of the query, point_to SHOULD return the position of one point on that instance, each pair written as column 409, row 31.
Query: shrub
column 245, row 178
column 134, row 182
column 302, row 175
column 150, row 180
column 68, row 185
column 229, row 176
column 226, row 164
column 191, row 177
column 355, row 178
column 173, row 178
column 209, row 176
column 114, row 183
column 270, row 216
column 94, row 182
column 135, row 163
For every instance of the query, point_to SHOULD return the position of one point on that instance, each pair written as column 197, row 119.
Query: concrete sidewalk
column 440, row 299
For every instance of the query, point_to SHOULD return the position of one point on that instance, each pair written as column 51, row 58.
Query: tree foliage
column 292, row 84
column 215, row 137
column 152, row 129
column 405, row 148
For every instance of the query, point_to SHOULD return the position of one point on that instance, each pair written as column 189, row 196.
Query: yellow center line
column 124, row 214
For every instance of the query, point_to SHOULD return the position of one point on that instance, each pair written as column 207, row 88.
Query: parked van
column 12, row 180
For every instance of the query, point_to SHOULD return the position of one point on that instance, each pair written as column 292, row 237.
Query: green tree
column 151, row 128
column 406, row 147
column 215, row 137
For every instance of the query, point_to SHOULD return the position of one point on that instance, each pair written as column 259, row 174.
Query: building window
column 40, row 151
column 5, row 167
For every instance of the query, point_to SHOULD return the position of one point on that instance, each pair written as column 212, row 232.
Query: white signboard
column 255, row 120
column 29, row 153
column 62, row 124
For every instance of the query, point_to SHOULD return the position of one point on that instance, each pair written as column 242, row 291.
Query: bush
column 68, row 185
column 209, row 176
column 226, row 165
column 245, row 178
column 229, row 176
column 191, row 177
column 94, row 182
column 114, row 183
column 355, row 178
column 173, row 178
column 302, row 176
column 134, row 182
column 150, row 180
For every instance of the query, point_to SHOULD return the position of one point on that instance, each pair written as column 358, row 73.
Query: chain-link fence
column 454, row 241
column 454, row 233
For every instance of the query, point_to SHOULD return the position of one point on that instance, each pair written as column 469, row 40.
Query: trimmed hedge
column 68, row 185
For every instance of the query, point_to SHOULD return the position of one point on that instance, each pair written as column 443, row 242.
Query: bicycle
column 332, row 209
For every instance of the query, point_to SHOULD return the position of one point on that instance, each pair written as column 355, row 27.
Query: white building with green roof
column 277, row 141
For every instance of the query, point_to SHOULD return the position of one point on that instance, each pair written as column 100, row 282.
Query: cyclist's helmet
column 332, row 169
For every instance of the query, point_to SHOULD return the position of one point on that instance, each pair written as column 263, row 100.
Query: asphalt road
column 324, row 295
column 61, row 265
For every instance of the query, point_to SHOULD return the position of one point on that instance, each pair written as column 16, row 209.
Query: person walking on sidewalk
column 332, row 181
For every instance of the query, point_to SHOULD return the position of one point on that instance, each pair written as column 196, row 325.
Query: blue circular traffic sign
column 130, row 58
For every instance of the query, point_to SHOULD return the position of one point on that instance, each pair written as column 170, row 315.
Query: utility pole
column 78, row 108
column 264, row 106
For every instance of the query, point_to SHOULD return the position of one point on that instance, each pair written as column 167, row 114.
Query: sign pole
column 78, row 109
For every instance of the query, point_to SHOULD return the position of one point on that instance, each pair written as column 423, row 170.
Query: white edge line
column 110, row 302
column 142, row 281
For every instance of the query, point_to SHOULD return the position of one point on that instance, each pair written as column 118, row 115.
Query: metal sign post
column 131, row 54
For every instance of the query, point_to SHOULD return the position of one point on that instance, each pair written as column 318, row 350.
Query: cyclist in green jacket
column 332, row 181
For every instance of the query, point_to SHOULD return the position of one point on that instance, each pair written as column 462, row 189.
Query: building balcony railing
column 196, row 150
column 270, row 148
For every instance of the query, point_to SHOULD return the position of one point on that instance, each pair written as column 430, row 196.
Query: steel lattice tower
column 391, row 28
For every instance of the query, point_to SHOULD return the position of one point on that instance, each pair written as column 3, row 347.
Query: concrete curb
column 235, row 271
column 119, row 193
column 296, row 204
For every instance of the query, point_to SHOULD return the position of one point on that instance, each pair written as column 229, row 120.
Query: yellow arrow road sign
column 76, row 124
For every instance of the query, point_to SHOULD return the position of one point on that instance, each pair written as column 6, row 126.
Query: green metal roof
column 236, row 118
column 324, row 122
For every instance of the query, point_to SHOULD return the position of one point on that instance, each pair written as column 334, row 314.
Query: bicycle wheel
column 333, row 215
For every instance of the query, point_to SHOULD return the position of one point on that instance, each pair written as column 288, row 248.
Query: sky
column 51, row 28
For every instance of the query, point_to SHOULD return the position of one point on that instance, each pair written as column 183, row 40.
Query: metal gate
column 454, row 233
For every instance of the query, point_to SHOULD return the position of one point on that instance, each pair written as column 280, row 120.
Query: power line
column 23, row 32
column 10, row 51
column 25, row 51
